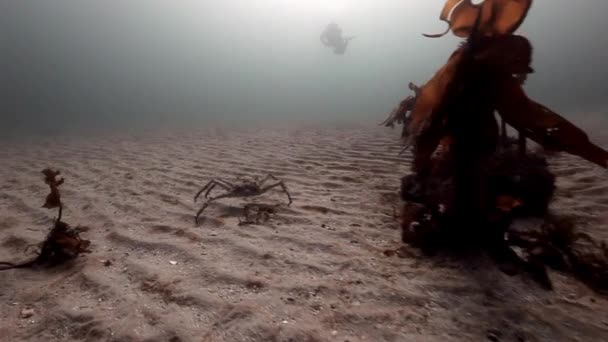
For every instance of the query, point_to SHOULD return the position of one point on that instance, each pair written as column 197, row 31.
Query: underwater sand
column 315, row 272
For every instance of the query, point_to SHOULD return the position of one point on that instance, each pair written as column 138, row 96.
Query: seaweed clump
column 513, row 186
column 516, row 187
column 63, row 242
column 559, row 245
column 469, row 181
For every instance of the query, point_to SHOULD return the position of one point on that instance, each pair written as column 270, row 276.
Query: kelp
column 490, row 70
column 558, row 244
column 53, row 199
column 496, row 17
column 469, row 182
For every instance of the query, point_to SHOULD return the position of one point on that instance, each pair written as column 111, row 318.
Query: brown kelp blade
column 53, row 199
column 507, row 15
column 498, row 17
column 463, row 18
column 546, row 127
column 445, row 16
column 425, row 127
column 432, row 95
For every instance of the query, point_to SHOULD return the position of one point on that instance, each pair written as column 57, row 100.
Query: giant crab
column 244, row 188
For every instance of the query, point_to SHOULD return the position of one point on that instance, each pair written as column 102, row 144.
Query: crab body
column 247, row 189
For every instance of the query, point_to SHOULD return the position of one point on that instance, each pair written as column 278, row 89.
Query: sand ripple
column 314, row 272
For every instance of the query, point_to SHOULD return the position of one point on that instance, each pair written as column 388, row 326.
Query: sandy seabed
column 314, row 272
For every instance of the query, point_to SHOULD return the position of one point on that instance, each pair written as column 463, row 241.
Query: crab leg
column 226, row 183
column 209, row 202
column 227, row 186
column 203, row 189
column 200, row 212
column 212, row 183
column 282, row 185
column 268, row 176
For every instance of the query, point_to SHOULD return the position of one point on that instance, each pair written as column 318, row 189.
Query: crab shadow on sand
column 245, row 213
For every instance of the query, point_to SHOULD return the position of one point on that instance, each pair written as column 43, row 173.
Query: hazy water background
column 145, row 63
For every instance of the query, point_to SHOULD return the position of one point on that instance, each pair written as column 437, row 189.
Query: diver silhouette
column 332, row 37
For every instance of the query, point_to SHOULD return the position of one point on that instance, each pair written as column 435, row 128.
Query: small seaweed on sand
column 63, row 242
